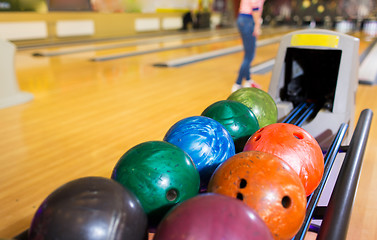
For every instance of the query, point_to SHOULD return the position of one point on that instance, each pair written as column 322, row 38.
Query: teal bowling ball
column 260, row 103
column 159, row 174
column 238, row 119
column 205, row 140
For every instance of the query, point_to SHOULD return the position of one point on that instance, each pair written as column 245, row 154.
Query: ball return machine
column 314, row 82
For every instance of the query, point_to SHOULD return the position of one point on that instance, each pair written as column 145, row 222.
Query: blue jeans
column 245, row 25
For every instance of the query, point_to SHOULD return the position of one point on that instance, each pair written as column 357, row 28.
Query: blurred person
column 249, row 22
column 189, row 18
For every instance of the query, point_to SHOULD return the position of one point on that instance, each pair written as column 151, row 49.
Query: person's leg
column 246, row 27
column 251, row 55
column 249, row 82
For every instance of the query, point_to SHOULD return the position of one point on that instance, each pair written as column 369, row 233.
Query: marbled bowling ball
column 296, row 147
column 212, row 216
column 238, row 119
column 90, row 208
column 266, row 184
column 205, row 140
column 260, row 102
column 160, row 174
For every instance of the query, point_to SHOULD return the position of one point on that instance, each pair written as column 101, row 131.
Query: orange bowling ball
column 295, row 146
column 266, row 184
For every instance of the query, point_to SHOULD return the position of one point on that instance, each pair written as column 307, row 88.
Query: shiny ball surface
column 238, row 119
column 92, row 208
column 260, row 103
column 296, row 147
column 159, row 174
column 205, row 140
column 266, row 184
column 212, row 216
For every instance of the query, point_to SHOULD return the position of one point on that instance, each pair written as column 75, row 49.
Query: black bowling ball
column 92, row 208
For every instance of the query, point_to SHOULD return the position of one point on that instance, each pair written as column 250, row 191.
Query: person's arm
column 257, row 15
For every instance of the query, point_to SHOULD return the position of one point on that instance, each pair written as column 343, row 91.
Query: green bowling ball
column 260, row 103
column 160, row 174
column 238, row 119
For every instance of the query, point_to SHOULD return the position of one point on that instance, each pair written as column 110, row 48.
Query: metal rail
column 314, row 197
column 305, row 115
column 336, row 219
column 342, row 197
column 299, row 114
column 292, row 115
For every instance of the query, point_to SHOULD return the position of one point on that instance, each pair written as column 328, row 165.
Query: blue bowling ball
column 205, row 140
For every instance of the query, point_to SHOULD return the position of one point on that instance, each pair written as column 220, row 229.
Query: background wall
column 145, row 6
column 119, row 18
column 286, row 10
column 105, row 25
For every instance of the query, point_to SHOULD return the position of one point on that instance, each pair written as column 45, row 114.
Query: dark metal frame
column 314, row 197
column 335, row 217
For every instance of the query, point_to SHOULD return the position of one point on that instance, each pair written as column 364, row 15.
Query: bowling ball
column 260, row 103
column 266, row 184
column 89, row 208
column 205, row 140
column 159, row 174
column 296, row 147
column 212, row 216
column 238, row 119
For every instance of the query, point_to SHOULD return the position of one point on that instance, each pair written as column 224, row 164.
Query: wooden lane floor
column 87, row 114
column 137, row 40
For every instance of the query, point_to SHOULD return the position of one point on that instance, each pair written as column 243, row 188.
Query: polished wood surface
column 85, row 115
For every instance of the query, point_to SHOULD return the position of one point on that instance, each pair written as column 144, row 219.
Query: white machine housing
column 303, row 45
column 327, row 121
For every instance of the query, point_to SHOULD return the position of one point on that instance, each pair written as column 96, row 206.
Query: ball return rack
column 314, row 83
column 325, row 108
column 335, row 216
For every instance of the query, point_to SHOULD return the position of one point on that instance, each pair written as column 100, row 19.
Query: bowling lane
column 138, row 40
column 142, row 43
column 145, row 38
column 85, row 115
column 85, row 51
column 170, row 47
column 47, row 73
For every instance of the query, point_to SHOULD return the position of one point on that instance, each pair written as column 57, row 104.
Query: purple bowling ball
column 212, row 216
